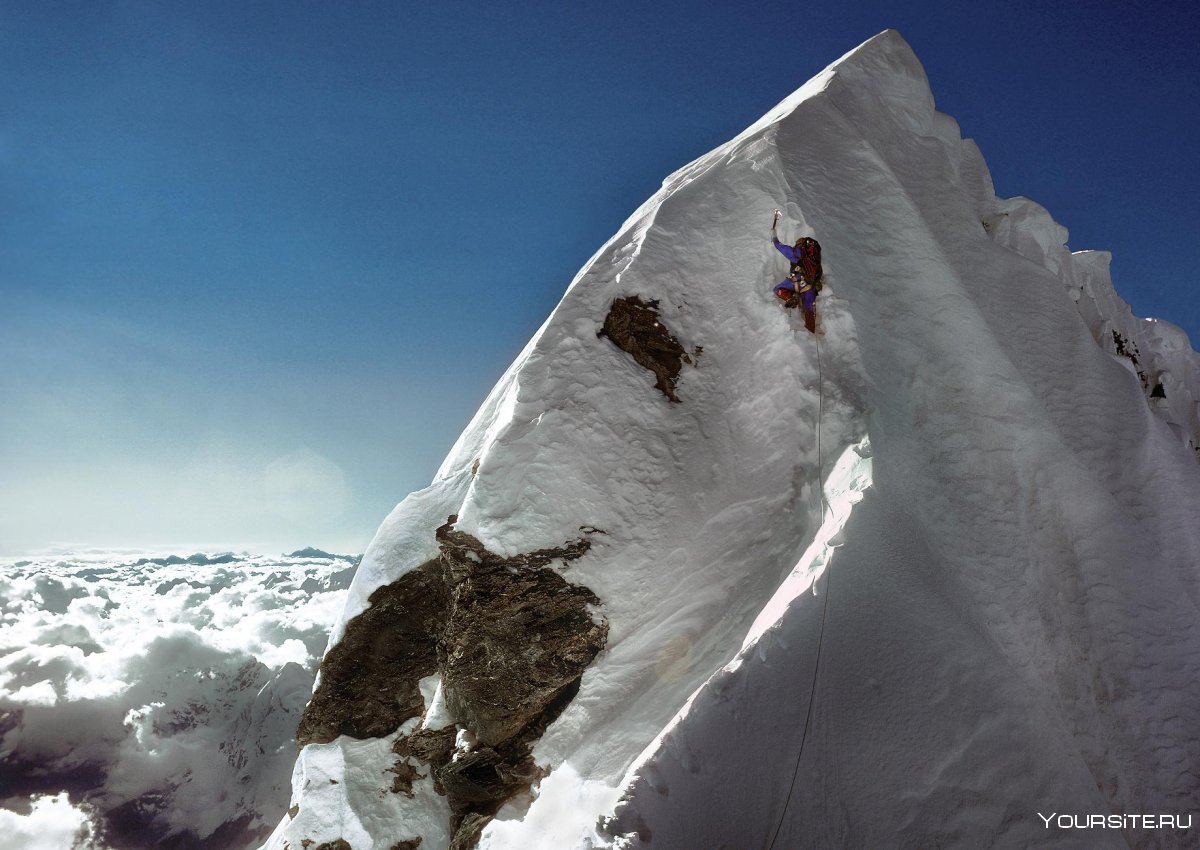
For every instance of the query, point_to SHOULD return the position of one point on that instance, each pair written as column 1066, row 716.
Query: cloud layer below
column 150, row 701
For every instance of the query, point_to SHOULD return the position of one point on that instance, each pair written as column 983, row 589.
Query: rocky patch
column 368, row 684
column 635, row 327
column 509, row 638
column 518, row 634
column 1128, row 348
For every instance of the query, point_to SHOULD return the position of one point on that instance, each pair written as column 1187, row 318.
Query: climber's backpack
column 807, row 267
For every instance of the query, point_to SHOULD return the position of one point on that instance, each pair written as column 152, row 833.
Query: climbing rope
column 824, row 605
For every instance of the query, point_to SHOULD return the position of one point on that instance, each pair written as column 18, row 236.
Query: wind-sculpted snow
column 154, row 699
column 1007, row 623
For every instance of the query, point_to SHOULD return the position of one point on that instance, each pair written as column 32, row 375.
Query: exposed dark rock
column 1159, row 391
column 340, row 844
column 410, row 844
column 293, row 811
column 478, row 782
column 635, row 327
column 430, row 746
column 510, row 638
column 1125, row 347
column 518, row 634
column 468, row 832
column 369, row 679
column 1128, row 348
column 481, row 777
column 404, row 775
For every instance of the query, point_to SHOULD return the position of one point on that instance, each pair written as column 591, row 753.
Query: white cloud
column 165, row 693
column 51, row 823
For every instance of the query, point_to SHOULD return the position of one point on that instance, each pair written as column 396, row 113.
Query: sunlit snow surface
column 1011, row 592
column 160, row 692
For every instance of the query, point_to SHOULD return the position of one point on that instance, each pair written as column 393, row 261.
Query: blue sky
column 259, row 262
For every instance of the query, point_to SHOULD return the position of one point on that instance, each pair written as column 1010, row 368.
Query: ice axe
column 775, row 220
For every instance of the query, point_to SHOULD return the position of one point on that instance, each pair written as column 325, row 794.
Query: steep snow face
column 1008, row 624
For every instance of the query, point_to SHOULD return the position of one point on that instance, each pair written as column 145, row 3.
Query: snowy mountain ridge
column 1008, row 522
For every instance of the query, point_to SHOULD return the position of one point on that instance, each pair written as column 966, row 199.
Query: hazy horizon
column 261, row 264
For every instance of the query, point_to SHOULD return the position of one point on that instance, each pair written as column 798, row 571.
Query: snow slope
column 1008, row 620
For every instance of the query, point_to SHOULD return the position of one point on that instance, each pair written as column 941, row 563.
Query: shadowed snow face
column 160, row 694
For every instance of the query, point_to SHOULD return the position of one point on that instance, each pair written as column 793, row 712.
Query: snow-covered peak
column 617, row 551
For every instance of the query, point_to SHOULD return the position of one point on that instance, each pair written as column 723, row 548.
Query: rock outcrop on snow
column 637, row 329
column 506, row 640
column 985, row 468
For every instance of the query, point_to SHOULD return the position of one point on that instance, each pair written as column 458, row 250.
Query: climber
column 805, row 280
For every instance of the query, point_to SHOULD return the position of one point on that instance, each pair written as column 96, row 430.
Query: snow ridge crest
column 988, row 364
